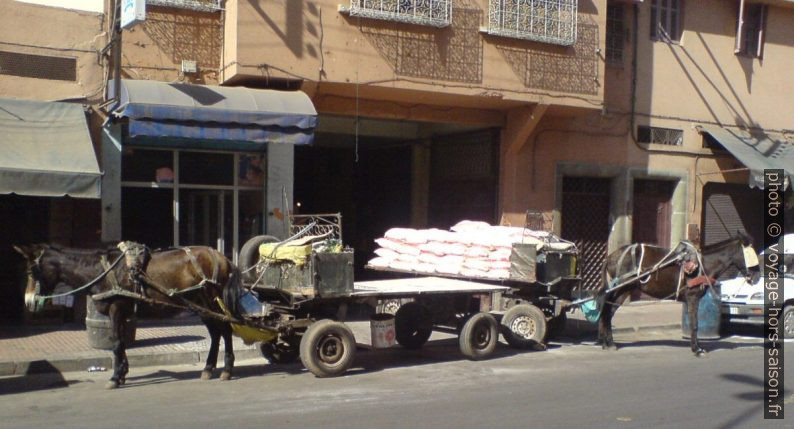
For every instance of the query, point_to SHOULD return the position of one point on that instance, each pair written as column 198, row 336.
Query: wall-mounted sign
column 132, row 12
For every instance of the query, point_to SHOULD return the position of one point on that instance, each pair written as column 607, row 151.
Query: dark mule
column 185, row 278
column 683, row 278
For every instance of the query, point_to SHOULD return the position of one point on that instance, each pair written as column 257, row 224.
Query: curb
column 78, row 364
column 82, row 363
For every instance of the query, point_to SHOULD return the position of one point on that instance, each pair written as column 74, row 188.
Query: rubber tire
column 249, row 255
column 533, row 314
column 316, row 337
column 279, row 353
column 788, row 313
column 556, row 325
column 479, row 336
column 412, row 327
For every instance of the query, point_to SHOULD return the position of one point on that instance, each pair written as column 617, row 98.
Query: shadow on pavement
column 41, row 375
column 367, row 360
column 708, row 345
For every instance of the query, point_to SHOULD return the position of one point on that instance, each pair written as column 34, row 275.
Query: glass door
column 206, row 219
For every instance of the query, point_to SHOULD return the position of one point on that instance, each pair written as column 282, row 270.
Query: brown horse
column 176, row 279
column 682, row 275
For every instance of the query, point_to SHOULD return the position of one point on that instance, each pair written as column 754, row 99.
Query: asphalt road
column 652, row 381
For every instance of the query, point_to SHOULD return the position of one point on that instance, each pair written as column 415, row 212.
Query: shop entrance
column 205, row 218
column 395, row 174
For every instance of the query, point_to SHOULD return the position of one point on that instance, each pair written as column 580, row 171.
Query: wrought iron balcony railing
column 435, row 13
column 198, row 5
column 547, row 21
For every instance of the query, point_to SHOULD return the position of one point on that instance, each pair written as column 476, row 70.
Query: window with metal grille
column 710, row 142
column 665, row 136
column 615, row 33
column 436, row 13
column 750, row 30
column 547, row 21
column 38, row 66
column 198, row 5
column 666, row 20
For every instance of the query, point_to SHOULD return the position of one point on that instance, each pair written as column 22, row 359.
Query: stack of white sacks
column 470, row 249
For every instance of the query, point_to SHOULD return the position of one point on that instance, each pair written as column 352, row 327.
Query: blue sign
column 132, row 12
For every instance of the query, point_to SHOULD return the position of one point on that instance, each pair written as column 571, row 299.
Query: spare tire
column 249, row 256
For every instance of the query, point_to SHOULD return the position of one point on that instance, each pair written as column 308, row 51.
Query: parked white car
column 743, row 301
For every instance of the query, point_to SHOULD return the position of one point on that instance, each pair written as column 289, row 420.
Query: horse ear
column 746, row 239
column 29, row 251
column 25, row 250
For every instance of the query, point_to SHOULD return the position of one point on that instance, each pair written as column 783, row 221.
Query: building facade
column 53, row 74
column 609, row 121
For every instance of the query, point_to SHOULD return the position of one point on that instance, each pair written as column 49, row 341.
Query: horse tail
column 233, row 290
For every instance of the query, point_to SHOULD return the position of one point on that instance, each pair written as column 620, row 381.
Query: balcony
column 197, row 5
column 546, row 21
column 434, row 13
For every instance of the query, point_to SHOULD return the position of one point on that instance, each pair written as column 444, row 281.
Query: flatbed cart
column 538, row 293
column 300, row 291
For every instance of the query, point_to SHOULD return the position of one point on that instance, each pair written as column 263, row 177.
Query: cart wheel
column 279, row 353
column 249, row 255
column 556, row 325
column 479, row 336
column 412, row 326
column 523, row 326
column 327, row 348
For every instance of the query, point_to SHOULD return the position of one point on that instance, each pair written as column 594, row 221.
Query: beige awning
column 46, row 150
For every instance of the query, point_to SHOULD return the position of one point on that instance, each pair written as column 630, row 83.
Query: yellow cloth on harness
column 297, row 254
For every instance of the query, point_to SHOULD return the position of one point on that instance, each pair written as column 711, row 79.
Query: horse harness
column 137, row 257
column 676, row 256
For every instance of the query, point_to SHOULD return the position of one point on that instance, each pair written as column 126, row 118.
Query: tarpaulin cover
column 757, row 151
column 180, row 110
column 46, row 150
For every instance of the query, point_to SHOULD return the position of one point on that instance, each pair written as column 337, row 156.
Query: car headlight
column 724, row 297
column 757, row 295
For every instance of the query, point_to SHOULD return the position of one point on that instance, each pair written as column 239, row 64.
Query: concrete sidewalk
column 36, row 349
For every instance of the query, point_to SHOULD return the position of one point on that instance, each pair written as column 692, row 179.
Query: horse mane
column 718, row 246
column 76, row 252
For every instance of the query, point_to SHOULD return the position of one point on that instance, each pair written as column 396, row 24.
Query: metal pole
column 117, row 53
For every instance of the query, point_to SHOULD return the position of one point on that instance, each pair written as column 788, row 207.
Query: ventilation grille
column 665, row 136
column 38, row 66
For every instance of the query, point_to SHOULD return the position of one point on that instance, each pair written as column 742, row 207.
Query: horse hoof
column 206, row 374
column 112, row 384
column 699, row 353
column 226, row 375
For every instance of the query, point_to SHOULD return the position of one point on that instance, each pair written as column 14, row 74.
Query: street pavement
column 652, row 381
column 26, row 350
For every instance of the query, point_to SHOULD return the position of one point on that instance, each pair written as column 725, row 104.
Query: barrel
column 100, row 330
column 382, row 330
column 708, row 316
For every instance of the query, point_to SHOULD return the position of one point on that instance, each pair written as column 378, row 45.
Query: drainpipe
column 739, row 29
column 634, row 42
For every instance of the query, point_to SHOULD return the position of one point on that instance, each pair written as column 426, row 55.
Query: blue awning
column 186, row 111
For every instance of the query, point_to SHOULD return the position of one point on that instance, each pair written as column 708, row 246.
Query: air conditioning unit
column 189, row 67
